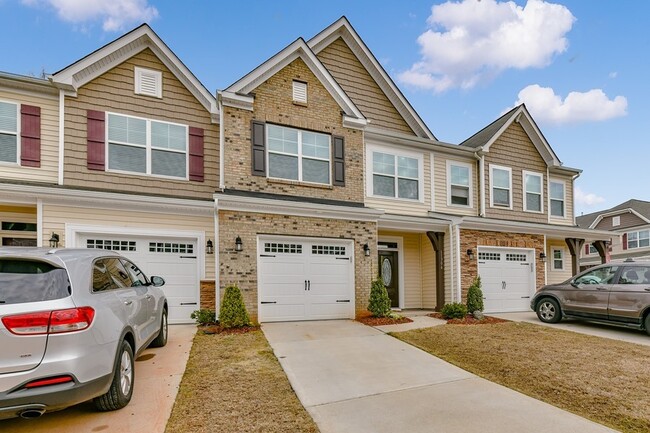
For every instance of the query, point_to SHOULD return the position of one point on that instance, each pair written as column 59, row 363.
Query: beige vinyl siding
column 554, row 276
column 56, row 217
column 357, row 83
column 628, row 221
column 17, row 214
column 114, row 91
column 568, row 198
column 441, row 185
column 428, row 265
column 48, row 172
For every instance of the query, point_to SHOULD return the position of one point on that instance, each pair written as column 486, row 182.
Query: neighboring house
column 629, row 223
column 312, row 174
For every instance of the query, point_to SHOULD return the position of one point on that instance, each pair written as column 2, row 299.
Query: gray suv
column 615, row 293
column 72, row 321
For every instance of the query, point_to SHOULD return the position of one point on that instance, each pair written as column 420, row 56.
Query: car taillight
column 50, row 322
column 50, row 381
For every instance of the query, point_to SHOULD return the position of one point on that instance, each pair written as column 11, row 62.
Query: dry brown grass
column 604, row 380
column 234, row 383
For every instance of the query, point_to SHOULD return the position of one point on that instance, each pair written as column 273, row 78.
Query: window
column 533, row 190
column 396, row 176
column 557, row 198
column 144, row 146
column 501, row 181
column 111, row 244
column 640, row 239
column 460, row 189
column 592, row 249
column 148, row 82
column 300, row 92
column 635, row 275
column 597, row 276
column 8, row 132
column 616, row 221
column 299, row 155
column 558, row 259
column 171, row 247
column 274, row 247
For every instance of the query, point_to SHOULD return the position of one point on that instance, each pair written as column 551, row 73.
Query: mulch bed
column 218, row 329
column 469, row 320
column 380, row 321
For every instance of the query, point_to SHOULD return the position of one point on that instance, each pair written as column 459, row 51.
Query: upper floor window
column 459, row 187
column 533, row 190
column 299, row 155
column 395, row 175
column 557, row 198
column 145, row 146
column 501, row 183
column 8, row 132
column 148, row 82
column 640, row 239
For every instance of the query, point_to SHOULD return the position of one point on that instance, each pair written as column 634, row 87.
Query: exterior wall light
column 238, row 244
column 470, row 254
column 209, row 247
column 366, row 250
column 54, row 240
column 542, row 256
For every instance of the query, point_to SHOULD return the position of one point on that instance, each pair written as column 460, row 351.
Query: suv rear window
column 31, row 281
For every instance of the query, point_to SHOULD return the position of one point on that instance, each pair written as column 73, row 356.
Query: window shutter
column 338, row 161
column 625, row 241
column 587, row 249
column 30, row 136
column 96, row 140
column 196, row 154
column 258, row 144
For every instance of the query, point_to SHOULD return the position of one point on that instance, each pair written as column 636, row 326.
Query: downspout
column 39, row 222
column 451, row 259
column 217, row 271
column 222, row 145
column 573, row 198
column 460, row 289
column 481, row 179
column 61, row 134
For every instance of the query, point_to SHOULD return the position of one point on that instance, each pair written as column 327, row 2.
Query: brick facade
column 208, row 294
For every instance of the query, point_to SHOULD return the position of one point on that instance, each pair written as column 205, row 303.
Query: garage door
column 507, row 277
column 174, row 259
column 305, row 279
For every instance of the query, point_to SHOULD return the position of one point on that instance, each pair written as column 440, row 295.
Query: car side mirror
column 157, row 281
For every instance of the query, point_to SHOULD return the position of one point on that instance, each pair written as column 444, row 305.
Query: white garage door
column 507, row 278
column 174, row 259
column 305, row 279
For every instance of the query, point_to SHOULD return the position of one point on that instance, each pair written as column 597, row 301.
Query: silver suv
column 616, row 293
column 72, row 321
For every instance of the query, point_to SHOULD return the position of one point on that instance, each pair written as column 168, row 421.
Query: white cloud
column 590, row 106
column 613, row 74
column 473, row 41
column 587, row 199
column 114, row 14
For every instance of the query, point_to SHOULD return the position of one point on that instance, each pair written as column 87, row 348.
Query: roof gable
column 639, row 208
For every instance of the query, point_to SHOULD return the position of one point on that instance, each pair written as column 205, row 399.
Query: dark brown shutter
column 625, row 241
column 196, row 154
column 258, row 145
column 96, row 140
column 587, row 249
column 30, row 136
column 338, row 161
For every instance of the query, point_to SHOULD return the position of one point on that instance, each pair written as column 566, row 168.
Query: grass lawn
column 604, row 380
column 234, row 383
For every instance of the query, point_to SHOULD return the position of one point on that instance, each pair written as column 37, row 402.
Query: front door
column 388, row 271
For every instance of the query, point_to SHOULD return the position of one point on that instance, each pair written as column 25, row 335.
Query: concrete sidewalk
column 354, row 378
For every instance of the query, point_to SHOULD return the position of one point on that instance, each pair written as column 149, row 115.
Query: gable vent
column 300, row 92
column 148, row 82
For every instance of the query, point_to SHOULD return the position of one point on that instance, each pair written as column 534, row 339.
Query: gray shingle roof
column 485, row 134
column 640, row 206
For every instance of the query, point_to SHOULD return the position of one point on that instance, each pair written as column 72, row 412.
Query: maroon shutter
column 258, row 148
column 196, row 154
column 338, row 161
column 30, row 136
column 587, row 249
column 625, row 241
column 96, row 140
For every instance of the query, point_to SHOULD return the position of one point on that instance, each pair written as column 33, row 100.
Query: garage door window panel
column 275, row 247
column 111, row 244
column 533, row 192
column 8, row 132
column 298, row 155
column 501, row 181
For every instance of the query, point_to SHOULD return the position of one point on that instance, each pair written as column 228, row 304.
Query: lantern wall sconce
column 366, row 250
column 209, row 247
column 54, row 240
column 238, row 244
column 470, row 254
column 542, row 257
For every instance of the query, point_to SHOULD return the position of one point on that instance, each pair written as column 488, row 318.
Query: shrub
column 379, row 304
column 204, row 316
column 455, row 310
column 475, row 296
column 232, row 313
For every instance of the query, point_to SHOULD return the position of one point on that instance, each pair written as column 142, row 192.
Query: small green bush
column 475, row 296
column 379, row 304
column 204, row 316
column 232, row 313
column 455, row 310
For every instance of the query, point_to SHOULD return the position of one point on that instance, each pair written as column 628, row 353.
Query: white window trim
column 616, row 221
column 553, row 259
column 148, row 149
column 18, row 125
column 138, row 72
column 470, row 201
column 298, row 155
column 550, row 208
column 525, row 173
column 638, row 239
column 395, row 152
column 509, row 170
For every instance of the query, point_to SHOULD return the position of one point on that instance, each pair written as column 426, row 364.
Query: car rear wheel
column 121, row 390
column 548, row 311
column 646, row 322
column 161, row 339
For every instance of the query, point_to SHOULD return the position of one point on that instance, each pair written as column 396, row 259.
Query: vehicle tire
column 121, row 390
column 548, row 310
column 161, row 338
column 646, row 322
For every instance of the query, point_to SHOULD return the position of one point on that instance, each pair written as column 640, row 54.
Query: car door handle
column 128, row 302
column 148, row 297
column 601, row 288
column 647, row 289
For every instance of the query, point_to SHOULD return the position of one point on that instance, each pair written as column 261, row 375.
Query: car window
column 635, row 275
column 138, row 278
column 118, row 273
column 604, row 275
column 102, row 280
column 31, row 281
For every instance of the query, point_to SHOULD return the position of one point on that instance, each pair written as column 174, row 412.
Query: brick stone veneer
column 208, row 294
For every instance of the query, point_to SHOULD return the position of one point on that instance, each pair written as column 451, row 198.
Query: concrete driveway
column 354, row 378
column 606, row 331
column 158, row 373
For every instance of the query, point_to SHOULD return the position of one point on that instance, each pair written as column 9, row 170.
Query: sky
column 580, row 66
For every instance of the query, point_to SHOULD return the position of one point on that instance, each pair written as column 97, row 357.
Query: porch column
column 437, row 241
column 601, row 247
column 575, row 247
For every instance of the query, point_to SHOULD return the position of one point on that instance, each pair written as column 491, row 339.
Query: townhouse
column 301, row 182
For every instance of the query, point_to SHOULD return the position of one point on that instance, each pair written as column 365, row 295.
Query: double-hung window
column 558, row 259
column 298, row 155
column 640, row 239
column 459, row 176
column 145, row 146
column 395, row 176
column 556, row 194
column 533, row 186
column 8, row 132
column 501, row 182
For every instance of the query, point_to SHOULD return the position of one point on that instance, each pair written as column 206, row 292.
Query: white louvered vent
column 148, row 82
column 300, row 92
